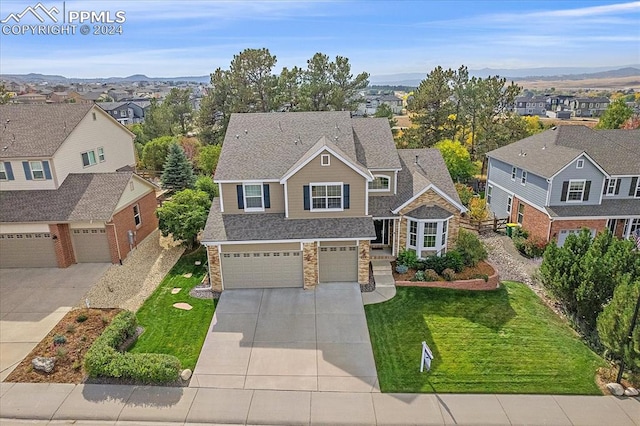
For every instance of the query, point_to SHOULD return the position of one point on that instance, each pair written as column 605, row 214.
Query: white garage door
column 91, row 245
column 262, row 269
column 338, row 264
column 563, row 234
column 33, row 250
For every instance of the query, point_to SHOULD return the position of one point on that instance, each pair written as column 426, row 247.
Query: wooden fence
column 496, row 224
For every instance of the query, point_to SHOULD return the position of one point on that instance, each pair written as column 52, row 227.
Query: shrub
column 529, row 246
column 519, row 231
column 408, row 258
column 419, row 276
column 465, row 193
column 61, row 353
column 437, row 263
column 59, row 339
column 103, row 360
column 431, row 275
column 449, row 274
column 81, row 318
column 454, row 260
column 402, row 269
column 71, row 328
column 470, row 247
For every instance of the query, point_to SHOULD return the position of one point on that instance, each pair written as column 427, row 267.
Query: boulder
column 615, row 389
column 185, row 375
column 631, row 392
column 42, row 363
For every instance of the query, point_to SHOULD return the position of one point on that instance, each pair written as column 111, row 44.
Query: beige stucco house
column 67, row 190
column 311, row 197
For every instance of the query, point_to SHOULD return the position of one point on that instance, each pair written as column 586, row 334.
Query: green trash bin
column 510, row 227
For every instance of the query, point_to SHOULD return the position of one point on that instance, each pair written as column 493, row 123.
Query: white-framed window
column 101, row 154
column 513, row 173
column 413, row 234
column 379, row 184
column 37, row 170
column 123, row 113
column 509, row 204
column 136, row 215
column 3, row 172
column 445, row 228
column 580, row 164
column 638, row 188
column 489, row 191
column 429, row 235
column 523, row 179
column 611, row 186
column 520, row 213
column 88, row 158
column 326, row 196
column 325, row 160
column 253, row 199
column 575, row 191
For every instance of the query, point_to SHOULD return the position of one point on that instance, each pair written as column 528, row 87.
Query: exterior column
column 310, row 265
column 215, row 276
column 63, row 246
column 363, row 261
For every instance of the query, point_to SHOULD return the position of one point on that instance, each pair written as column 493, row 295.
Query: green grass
column 502, row 341
column 172, row 331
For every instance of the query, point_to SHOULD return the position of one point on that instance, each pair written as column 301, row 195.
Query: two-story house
column 309, row 197
column 588, row 107
column 567, row 178
column 531, row 105
column 67, row 190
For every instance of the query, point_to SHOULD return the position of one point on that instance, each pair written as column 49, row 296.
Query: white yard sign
column 427, row 356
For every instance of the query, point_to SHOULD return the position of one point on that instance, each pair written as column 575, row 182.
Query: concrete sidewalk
column 111, row 404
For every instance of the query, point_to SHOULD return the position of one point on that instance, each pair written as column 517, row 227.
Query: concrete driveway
column 289, row 339
column 32, row 302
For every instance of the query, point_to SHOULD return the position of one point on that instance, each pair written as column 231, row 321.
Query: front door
column 382, row 231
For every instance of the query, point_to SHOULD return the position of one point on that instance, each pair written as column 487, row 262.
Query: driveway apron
column 289, row 339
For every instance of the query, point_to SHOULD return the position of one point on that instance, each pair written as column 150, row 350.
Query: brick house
column 67, row 192
column 310, row 197
column 567, row 178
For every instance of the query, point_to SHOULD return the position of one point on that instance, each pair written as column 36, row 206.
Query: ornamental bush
column 408, row 258
column 449, row 274
column 104, row 360
column 470, row 247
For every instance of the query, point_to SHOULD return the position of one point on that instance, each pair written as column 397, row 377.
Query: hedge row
column 104, row 360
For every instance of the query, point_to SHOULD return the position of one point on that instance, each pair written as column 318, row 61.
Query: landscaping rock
column 198, row 263
column 631, row 392
column 176, row 290
column 183, row 305
column 615, row 389
column 185, row 375
column 188, row 275
column 42, row 363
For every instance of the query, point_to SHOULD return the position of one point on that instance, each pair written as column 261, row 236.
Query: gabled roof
column 81, row 197
column 617, row 207
column 546, row 153
column 110, row 106
column 260, row 146
column 37, row 130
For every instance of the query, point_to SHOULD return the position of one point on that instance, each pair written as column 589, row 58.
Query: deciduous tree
column 208, row 158
column 154, row 152
column 184, row 216
column 615, row 115
column 457, row 159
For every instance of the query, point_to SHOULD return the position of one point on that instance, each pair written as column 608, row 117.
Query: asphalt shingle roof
column 609, row 208
column 265, row 145
column 429, row 212
column 546, row 153
column 81, row 197
column 274, row 226
column 37, row 130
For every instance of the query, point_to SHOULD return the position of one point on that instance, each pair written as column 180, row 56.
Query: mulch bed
column 482, row 268
column 69, row 355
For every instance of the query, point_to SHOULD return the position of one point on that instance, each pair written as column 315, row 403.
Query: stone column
column 363, row 262
column 215, row 278
column 310, row 265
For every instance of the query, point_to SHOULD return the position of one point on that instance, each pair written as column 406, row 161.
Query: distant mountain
column 34, row 78
column 547, row 73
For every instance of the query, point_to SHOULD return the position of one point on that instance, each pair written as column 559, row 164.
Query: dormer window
column 325, row 160
column 579, row 164
column 379, row 184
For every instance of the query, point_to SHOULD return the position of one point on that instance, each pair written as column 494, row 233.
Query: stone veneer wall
column 363, row 262
column 215, row 276
column 310, row 265
column 431, row 198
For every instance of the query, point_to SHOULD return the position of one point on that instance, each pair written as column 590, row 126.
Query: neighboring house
column 588, row 107
column 534, row 105
column 372, row 102
column 567, row 178
column 30, row 98
column 310, row 197
column 63, row 199
column 120, row 111
column 59, row 97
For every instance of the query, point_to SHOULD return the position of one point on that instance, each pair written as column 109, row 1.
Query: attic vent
column 544, row 146
column 416, row 160
column 246, row 131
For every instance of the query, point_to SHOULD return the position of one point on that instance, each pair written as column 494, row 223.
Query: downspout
column 115, row 233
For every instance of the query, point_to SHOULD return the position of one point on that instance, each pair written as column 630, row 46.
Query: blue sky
column 186, row 38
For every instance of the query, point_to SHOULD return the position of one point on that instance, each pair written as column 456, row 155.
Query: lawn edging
column 492, row 283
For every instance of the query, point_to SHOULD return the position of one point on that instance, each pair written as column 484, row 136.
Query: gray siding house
column 567, row 178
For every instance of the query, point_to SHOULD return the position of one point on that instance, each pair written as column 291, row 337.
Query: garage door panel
column 35, row 250
column 91, row 245
column 262, row 270
column 338, row 264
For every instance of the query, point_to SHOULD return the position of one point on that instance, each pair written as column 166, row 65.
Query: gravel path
column 129, row 285
column 512, row 266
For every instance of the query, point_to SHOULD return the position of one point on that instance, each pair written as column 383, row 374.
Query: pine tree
column 178, row 173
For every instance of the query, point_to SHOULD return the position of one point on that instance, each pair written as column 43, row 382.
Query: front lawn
column 173, row 331
column 502, row 341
